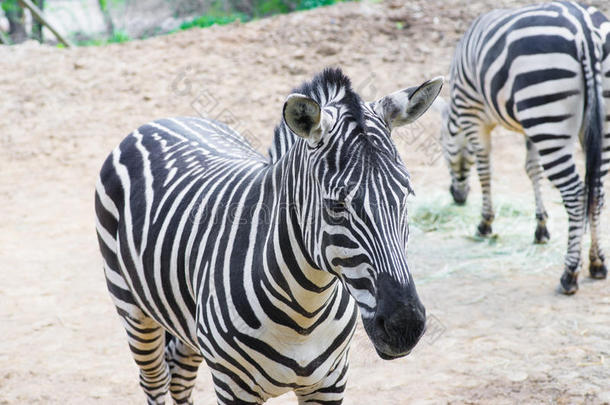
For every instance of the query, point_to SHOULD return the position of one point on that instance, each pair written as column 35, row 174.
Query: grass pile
column 443, row 240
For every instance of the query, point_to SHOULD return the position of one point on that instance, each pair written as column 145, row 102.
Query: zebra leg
column 145, row 336
column 483, row 147
column 147, row 343
column 597, row 267
column 183, row 365
column 534, row 171
column 566, row 179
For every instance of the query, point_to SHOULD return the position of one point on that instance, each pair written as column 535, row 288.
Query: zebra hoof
column 569, row 282
column 542, row 235
column 598, row 271
column 484, row 229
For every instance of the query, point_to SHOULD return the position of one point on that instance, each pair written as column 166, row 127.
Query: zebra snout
column 399, row 321
column 402, row 328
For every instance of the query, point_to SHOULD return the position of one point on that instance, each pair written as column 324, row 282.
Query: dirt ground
column 498, row 330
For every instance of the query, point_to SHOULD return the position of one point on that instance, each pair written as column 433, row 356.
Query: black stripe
column 548, row 137
column 532, row 122
column 546, row 99
column 533, row 77
column 564, row 173
column 548, row 151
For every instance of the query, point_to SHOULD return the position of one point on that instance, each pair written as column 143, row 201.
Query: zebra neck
column 306, row 288
column 283, row 140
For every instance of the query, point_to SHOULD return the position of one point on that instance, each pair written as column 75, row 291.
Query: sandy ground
column 499, row 332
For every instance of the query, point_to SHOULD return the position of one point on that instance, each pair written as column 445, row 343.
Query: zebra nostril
column 381, row 323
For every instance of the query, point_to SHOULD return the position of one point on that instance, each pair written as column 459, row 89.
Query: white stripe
column 108, row 239
column 106, row 201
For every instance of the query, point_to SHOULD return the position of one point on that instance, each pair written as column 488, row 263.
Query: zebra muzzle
column 399, row 321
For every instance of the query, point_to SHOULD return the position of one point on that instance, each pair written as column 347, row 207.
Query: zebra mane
column 331, row 86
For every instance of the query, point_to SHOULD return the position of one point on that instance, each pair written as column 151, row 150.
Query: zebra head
column 457, row 151
column 353, row 213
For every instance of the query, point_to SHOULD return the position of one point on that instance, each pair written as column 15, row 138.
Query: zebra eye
column 335, row 207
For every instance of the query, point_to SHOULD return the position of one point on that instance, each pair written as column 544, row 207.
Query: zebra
column 258, row 265
column 543, row 71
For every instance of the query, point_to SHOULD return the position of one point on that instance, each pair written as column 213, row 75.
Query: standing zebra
column 212, row 251
column 541, row 71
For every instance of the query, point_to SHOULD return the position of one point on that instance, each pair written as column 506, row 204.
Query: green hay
column 443, row 239
column 441, row 214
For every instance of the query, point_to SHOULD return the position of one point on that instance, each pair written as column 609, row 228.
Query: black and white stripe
column 213, row 251
column 543, row 71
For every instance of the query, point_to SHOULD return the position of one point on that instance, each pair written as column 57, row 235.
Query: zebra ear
column 407, row 105
column 303, row 116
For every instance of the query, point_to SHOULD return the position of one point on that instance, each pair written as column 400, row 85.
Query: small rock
column 327, row 50
column 294, row 69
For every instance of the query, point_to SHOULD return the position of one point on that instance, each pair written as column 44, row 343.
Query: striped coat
column 543, row 71
column 258, row 265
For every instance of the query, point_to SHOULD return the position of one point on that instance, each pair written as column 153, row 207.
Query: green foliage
column 218, row 15
column 209, row 20
column 118, row 37
column 9, row 5
column 104, row 3
column 270, row 7
column 260, row 8
column 309, row 4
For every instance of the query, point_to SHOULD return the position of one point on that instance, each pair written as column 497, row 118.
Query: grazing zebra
column 541, row 71
column 212, row 251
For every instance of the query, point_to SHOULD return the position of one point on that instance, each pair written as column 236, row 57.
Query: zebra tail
column 594, row 124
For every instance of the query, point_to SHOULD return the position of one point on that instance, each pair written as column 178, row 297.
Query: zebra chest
column 277, row 356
